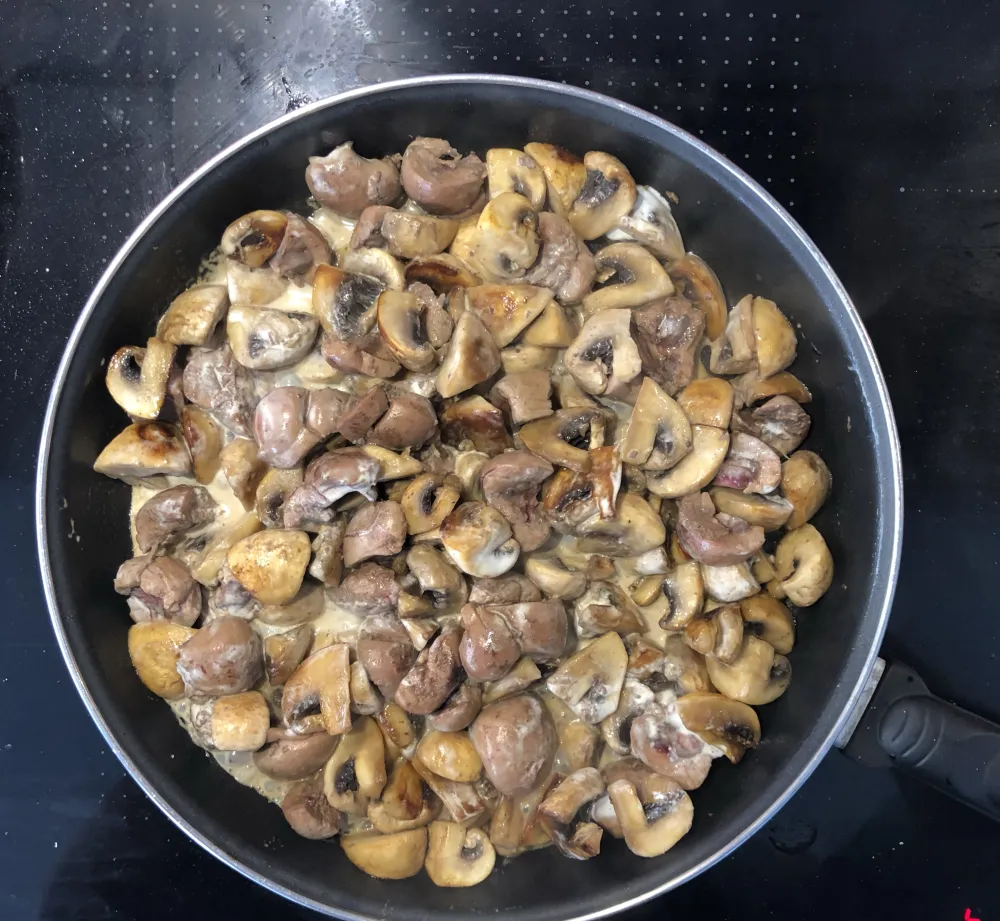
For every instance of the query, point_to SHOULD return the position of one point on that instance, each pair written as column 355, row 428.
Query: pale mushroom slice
column 634, row 529
column 607, row 195
column 770, row 620
column 693, row 278
column 523, row 397
column 751, row 388
column 604, row 608
column 145, row 450
column 521, row 677
column 590, row 681
column 402, row 324
column 652, row 224
column 549, row 574
column 717, row 633
column 774, row 337
column 735, row 350
column 427, row 501
column 639, row 278
column 684, row 668
column 411, row 236
column 479, row 540
column 317, row 695
column 732, row 582
column 396, row 856
column 708, row 401
column 767, row 512
column 263, row 339
column 604, row 358
column 803, row 567
column 505, row 310
column 757, row 676
column 806, row 482
column 653, row 825
column 438, row 580
column 472, row 357
column 458, row 856
column 554, row 328
column 685, row 590
column 193, row 315
column 658, row 434
column 137, row 378
column 565, row 174
column 441, row 273
column 723, row 723
column 348, row 183
column 345, row 304
column 522, row 357
column 511, row 170
column 504, row 244
column 695, row 470
column 559, row 437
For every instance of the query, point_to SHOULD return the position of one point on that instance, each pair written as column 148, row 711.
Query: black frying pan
column 753, row 245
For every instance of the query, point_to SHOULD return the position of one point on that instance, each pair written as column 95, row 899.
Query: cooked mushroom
column 410, row 236
column 774, row 337
column 757, row 676
column 271, row 564
column 376, row 529
column 450, row 755
column 750, row 465
column 243, row 469
column 503, row 245
column 521, row 357
column 767, row 512
column 317, row 695
column 645, row 660
column 694, row 280
column 696, row 469
column 137, row 378
column 781, row 423
column 734, row 352
column 461, row 801
column 254, row 238
column 476, row 422
column 249, row 286
column 663, row 744
column 616, row 729
column 523, row 396
column 715, row 539
column 607, row 195
column 658, row 433
column 510, row 484
column 591, row 680
column 604, row 357
column 565, row 266
column 668, row 333
column 770, row 620
column 203, row 437
column 524, row 674
column 295, row 759
column 459, row 710
column 489, row 648
column 309, row 813
column 434, row 675
column 348, row 183
column 193, row 315
column 216, row 382
column 638, row 278
column 510, row 170
column 284, row 652
column 652, row 827
column 457, row 856
column 427, row 501
column 685, row 591
column 153, row 648
column 345, row 303
column 224, row 657
column 516, row 740
column 403, row 796
column 170, row 513
column 805, row 481
column 729, row 583
column 441, row 273
column 233, row 723
column 634, row 529
column 750, row 388
column 803, row 566
column 144, row 450
column 472, row 357
column 549, row 574
column 263, row 339
column 355, row 774
column 506, row 310
column 717, row 633
column 385, row 651
column 563, row 437
column 707, row 401
column 605, row 607
column 479, row 540
column 651, row 224
column 401, row 323
column 396, row 856
column 565, row 174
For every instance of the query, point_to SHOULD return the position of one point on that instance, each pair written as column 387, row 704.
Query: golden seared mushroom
column 735, row 351
column 658, row 433
column 295, row 759
column 224, row 657
column 523, row 396
column 457, row 856
column 516, row 740
column 803, row 566
column 770, row 620
column 376, row 529
column 402, row 325
column 153, row 648
column 637, row 279
column 441, row 273
column 605, row 607
column 478, row 539
column 549, row 574
column 309, row 813
column 393, row 466
column 722, row 723
column 404, row 797
column 284, row 652
column 565, row 174
column 355, row 773
column 757, row 676
column 171, row 513
column 273, row 491
column 715, row 539
column 563, row 437
column 806, row 482
column 459, row 710
column 604, row 358
column 685, row 591
column 767, row 512
column 616, row 729
column 773, row 336
column 652, row 825
column 137, row 378
column 317, row 695
column 435, row 674
column 233, row 723
column 510, row 483
column 750, row 465
column 571, row 501
column 751, row 388
column 709, row 446
column 708, row 401
column 652, row 224
column 243, row 469
column 669, row 333
column 729, row 583
column 328, row 562
column 427, row 501
column 694, row 280
column 438, row 178
column 684, row 668
column 263, row 339
column 271, row 564
column 207, row 566
column 607, row 195
column 590, row 681
column 717, row 633
column 254, row 238
column 396, row 856
column 663, row 744
column 450, row 755
column 144, row 450
column 477, row 421
column 510, row 170
column 410, row 236
column 385, row 651
column 634, row 529
column 193, row 315
column 203, row 437
column 345, row 303
column 554, row 328
column 348, row 183
column 489, row 648
column 781, row 423
column 506, row 310
column 504, row 243
column 472, row 357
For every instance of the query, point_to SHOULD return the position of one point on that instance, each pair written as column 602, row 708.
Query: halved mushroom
column 504, row 243
column 803, row 567
column 427, row 501
column 243, row 469
column 645, row 659
column 774, row 337
column 203, row 437
column 685, row 591
column 305, row 606
column 271, row 564
column 401, row 323
column 729, row 583
column 565, row 174
column 263, row 339
column 563, row 437
column 694, row 280
column 726, row 724
column 477, row 422
column 348, row 183
column 411, row 236
column 346, row 303
column 616, row 729
column 506, row 310
column 652, row 825
column 137, row 378
column 153, row 648
column 193, row 315
column 472, row 357
column 376, row 529
column 781, row 424
column 216, row 382
column 224, row 657
column 284, row 652
column 450, row 755
column 524, row 396
column 330, row 477
column 438, row 178
column 457, row 856
column 639, row 278
column 806, row 482
column 651, row 224
column 757, row 676
column 510, row 170
column 634, row 529
column 749, row 465
column 684, row 668
column 395, row 856
column 510, row 484
column 658, row 433
column 767, row 512
column 317, row 696
column 254, row 238
column 751, row 388
column 521, row 357
column 434, row 675
column 479, row 540
column 717, row 633
column 590, row 681
column 707, row 401
column 232, row 723
column 403, row 796
column 144, row 450
column 604, row 357
column 355, row 774
column 698, row 468
column 735, row 351
column 715, row 539
column 549, row 574
column 441, row 273
column 605, row 607
column 428, row 806
column 249, row 286
column 459, row 710
column 669, row 333
column 770, row 620
column 607, row 195
column 516, row 740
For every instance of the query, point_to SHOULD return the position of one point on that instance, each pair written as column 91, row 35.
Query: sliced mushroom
column 607, row 195
column 478, row 539
column 757, row 676
column 409, row 422
column 616, row 729
column 669, row 334
column 472, row 357
column 729, row 583
column 803, row 566
column 565, row 174
column 549, row 574
column 457, row 856
column 806, row 482
column 605, row 607
column 348, row 183
column 707, row 401
column 768, row 619
column 510, row 484
column 263, row 339
column 524, row 674
column 734, row 352
column 410, row 236
column 459, row 710
column 427, row 501
column 658, row 433
column 639, row 279
column 249, row 286
column 781, row 423
column 438, row 178
column 520, row 357
column 396, row 856
column 504, row 242
column 216, row 382
column 604, row 357
column 685, row 591
column 634, row 529
column 475, row 421
column 565, row 266
column 271, row 564
column 143, row 450
column 563, row 437
column 750, row 388
column 767, row 512
column 401, row 323
column 203, row 437
column 243, row 469
column 651, row 224
column 355, row 774
column 137, row 378
column 506, row 310
column 376, row 529
column 317, row 696
column 695, row 470
column 717, row 633
column 516, row 740
column 403, row 796
column 434, row 675
column 774, row 337
column 653, row 827
column 224, row 657
column 284, row 652
column 441, row 273
column 684, row 668
column 254, row 238
column 715, row 539
column 510, row 170
column 345, row 303
column 590, row 681
column 153, row 648
column 694, row 280
column 193, row 315
column 723, row 723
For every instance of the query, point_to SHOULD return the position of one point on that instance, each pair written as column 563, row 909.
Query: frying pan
column 753, row 245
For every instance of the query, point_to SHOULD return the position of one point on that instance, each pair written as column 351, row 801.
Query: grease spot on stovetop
column 791, row 836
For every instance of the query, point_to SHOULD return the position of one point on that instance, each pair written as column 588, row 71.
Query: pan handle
column 899, row 723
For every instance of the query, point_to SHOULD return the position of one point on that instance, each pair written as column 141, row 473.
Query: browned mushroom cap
column 769, row 512
column 330, row 477
column 516, row 740
column 224, row 657
column 570, row 500
column 159, row 589
column 541, row 627
column 438, row 178
column 203, row 436
column 434, row 675
column 750, row 388
column 604, row 357
column 475, row 421
column 565, row 266
column 563, row 437
column 607, row 195
column 510, row 484
column 409, row 422
column 441, row 273
column 138, row 379
column 666, row 746
column 774, row 337
column 280, row 427
column 512, row 588
column 193, row 315
column 510, row 170
column 345, row 303
column 369, row 589
column 564, row 171
column 634, row 529
column 385, row 650
column 806, row 482
column 254, row 238
column 352, row 359
column 215, row 381
column 459, row 710
column 734, row 351
column 524, row 396
column 770, row 620
column 349, row 183
column 782, row 424
column 472, row 357
column 294, row 759
column 716, row 540
column 668, row 333
column 377, row 529
column 308, row 812
column 171, row 513
column 488, row 649
column 750, row 465
column 506, row 310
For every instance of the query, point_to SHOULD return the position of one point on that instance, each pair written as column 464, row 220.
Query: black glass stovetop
column 876, row 123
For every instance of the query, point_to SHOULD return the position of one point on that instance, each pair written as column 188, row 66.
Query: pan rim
column 890, row 486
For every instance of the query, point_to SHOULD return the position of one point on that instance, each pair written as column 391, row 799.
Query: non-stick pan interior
column 752, row 249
